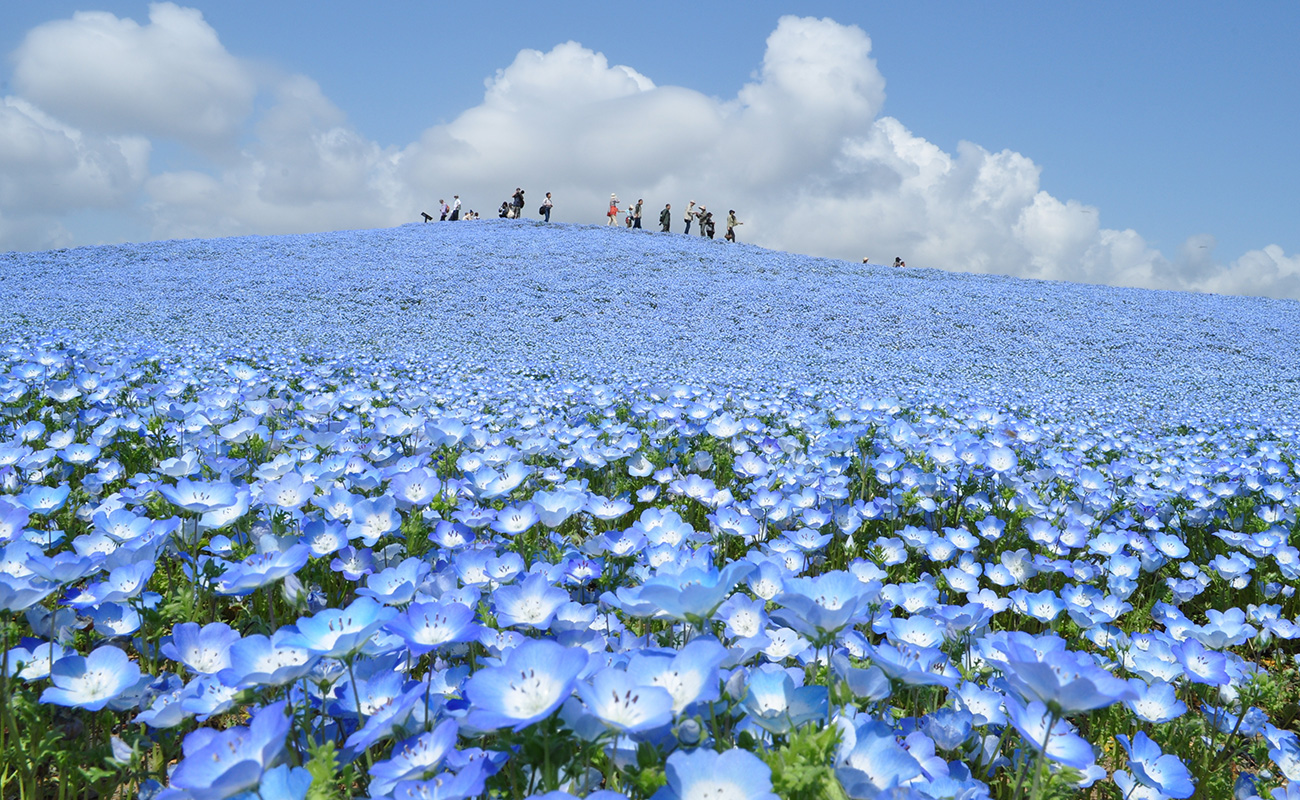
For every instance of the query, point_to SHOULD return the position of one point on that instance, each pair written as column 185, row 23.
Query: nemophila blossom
column 1156, row 702
column 704, row 773
column 1200, row 664
column 199, row 497
column 220, row 764
column 257, row 660
column 262, row 569
column 44, row 500
column 1154, row 769
column 414, row 759
column 204, row 650
column 530, row 684
column 397, row 585
column 870, row 761
column 690, row 675
column 428, row 626
column 19, row 594
column 338, row 633
column 625, row 704
column 34, row 662
column 373, row 519
column 514, row 520
column 1041, row 669
column 529, row 604
column 776, row 703
column 693, row 594
column 820, row 606
column 1057, row 739
column 91, row 682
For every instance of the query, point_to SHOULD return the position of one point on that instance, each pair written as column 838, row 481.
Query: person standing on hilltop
column 444, row 209
column 517, row 203
column 732, row 222
column 455, row 207
column 636, row 214
column 702, row 215
column 690, row 215
column 546, row 207
column 666, row 217
column 611, row 218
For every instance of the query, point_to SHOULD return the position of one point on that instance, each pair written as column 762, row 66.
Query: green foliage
column 803, row 768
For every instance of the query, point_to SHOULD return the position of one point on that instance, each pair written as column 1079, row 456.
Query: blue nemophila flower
column 428, row 626
column 397, row 585
column 44, row 500
column 777, row 704
column 1157, row 702
column 730, row 775
column 1059, row 742
column 373, row 519
column 19, row 594
column 339, row 633
column 199, row 497
column 529, row 604
column 1200, row 664
column 203, row 650
column 91, row 682
column 870, row 760
column 414, row 759
column 692, row 595
column 1043, row 669
column 626, row 705
column 690, row 675
column 534, row 679
column 821, row 606
column 262, row 569
column 258, row 660
column 466, row 783
column 1155, row 769
column 220, row 764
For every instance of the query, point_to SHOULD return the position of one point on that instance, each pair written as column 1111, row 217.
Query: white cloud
column 170, row 78
column 801, row 152
column 48, row 169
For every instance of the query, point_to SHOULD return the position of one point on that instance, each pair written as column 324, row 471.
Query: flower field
column 505, row 510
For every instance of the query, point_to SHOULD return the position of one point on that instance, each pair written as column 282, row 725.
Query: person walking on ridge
column 732, row 222
column 636, row 214
column 611, row 218
column 444, row 209
column 455, row 207
column 666, row 217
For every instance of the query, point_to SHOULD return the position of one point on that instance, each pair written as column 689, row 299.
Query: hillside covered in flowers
column 505, row 509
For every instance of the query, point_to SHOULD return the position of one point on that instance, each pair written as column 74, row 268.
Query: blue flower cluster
column 504, row 509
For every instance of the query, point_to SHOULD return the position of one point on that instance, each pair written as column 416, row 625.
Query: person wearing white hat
column 611, row 218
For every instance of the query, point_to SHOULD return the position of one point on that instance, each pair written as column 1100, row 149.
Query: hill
column 618, row 305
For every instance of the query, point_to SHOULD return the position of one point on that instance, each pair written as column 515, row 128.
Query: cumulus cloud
column 170, row 78
column 801, row 152
column 48, row 169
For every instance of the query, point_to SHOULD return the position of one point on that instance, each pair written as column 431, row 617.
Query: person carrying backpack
column 666, row 218
column 545, row 210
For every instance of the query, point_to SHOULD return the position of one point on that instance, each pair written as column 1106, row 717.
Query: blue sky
column 1172, row 122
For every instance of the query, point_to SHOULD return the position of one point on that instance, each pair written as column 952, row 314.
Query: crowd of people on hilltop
column 699, row 215
column 513, row 208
